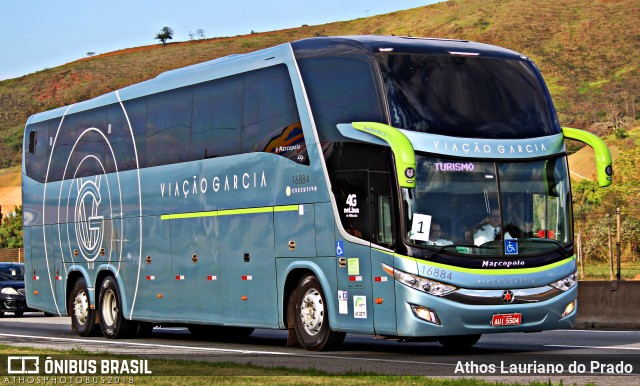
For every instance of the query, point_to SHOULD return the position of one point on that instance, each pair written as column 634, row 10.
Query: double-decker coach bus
column 403, row 187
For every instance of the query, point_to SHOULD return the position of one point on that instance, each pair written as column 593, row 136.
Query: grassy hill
column 586, row 50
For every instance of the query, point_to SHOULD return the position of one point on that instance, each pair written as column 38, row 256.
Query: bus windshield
column 466, row 96
column 476, row 206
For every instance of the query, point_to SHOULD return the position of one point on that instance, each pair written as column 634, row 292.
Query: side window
column 217, row 118
column 168, row 127
column 271, row 120
column 37, row 154
column 341, row 90
column 137, row 113
column 362, row 185
column 62, row 161
column 121, row 140
column 92, row 149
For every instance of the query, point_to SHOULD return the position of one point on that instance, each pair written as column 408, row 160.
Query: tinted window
column 137, row 113
column 466, row 96
column 168, row 127
column 121, row 140
column 271, row 121
column 61, row 159
column 11, row 273
column 37, row 154
column 92, row 149
column 341, row 90
column 217, row 118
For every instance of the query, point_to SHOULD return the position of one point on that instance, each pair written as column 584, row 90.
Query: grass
column 169, row 372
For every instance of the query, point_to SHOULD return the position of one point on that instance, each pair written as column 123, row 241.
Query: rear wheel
column 83, row 317
column 112, row 321
column 311, row 317
column 459, row 342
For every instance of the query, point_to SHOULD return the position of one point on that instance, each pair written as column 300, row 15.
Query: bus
column 325, row 186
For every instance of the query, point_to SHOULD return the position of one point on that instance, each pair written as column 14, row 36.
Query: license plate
column 506, row 319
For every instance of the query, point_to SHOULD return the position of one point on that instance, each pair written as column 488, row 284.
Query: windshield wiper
column 564, row 250
column 442, row 248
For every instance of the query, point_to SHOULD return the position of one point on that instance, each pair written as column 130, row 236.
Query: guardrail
column 608, row 305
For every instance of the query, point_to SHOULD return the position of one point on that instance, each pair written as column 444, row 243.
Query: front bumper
column 465, row 319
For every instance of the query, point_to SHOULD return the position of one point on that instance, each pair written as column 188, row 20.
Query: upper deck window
column 466, row 96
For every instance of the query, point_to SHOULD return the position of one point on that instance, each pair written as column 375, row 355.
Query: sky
column 40, row 34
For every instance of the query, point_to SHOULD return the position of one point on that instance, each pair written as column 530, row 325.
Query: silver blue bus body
column 237, row 193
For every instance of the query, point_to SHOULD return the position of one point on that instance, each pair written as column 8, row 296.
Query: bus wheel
column 83, row 317
column 112, row 321
column 459, row 342
column 311, row 317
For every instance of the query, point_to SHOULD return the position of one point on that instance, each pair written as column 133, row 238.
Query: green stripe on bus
column 481, row 271
column 286, row 208
column 230, row 212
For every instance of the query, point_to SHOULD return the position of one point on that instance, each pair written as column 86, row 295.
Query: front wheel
column 311, row 317
column 112, row 321
column 83, row 317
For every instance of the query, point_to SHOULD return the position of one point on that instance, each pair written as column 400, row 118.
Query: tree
column 165, row 34
column 11, row 230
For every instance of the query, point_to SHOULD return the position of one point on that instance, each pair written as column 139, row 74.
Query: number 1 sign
column 420, row 227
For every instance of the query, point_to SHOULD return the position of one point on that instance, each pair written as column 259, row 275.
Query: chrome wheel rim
column 81, row 307
column 109, row 307
column 312, row 311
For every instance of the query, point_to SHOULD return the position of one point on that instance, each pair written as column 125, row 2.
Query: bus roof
column 237, row 63
column 406, row 44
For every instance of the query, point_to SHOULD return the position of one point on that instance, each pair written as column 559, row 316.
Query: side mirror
column 403, row 153
column 603, row 156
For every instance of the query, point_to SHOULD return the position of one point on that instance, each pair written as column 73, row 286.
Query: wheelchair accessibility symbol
column 339, row 248
column 510, row 247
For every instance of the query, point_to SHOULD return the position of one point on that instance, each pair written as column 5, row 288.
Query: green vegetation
column 11, row 229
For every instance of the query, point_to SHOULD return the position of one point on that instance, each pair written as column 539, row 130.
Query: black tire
column 18, row 314
column 311, row 317
column 112, row 321
column 459, row 342
column 83, row 317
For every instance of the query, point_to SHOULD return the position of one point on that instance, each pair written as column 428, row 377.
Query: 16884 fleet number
column 437, row 273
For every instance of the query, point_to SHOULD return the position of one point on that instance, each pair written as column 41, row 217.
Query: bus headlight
column 420, row 283
column 568, row 309
column 567, row 283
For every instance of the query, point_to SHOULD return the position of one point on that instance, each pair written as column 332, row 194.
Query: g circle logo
column 89, row 226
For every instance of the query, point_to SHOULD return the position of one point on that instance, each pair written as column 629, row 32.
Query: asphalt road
column 581, row 355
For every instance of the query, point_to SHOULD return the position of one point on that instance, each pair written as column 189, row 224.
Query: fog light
column 569, row 309
column 425, row 313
